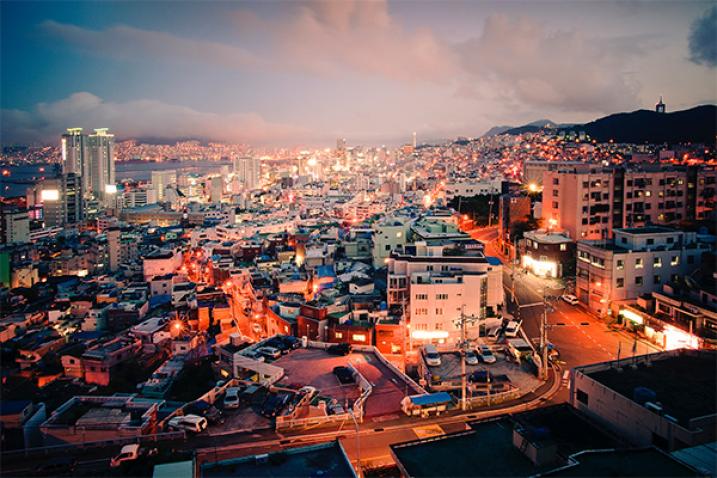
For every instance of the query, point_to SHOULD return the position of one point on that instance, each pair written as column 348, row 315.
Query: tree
column 519, row 228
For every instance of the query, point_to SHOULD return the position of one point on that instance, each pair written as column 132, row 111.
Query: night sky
column 295, row 73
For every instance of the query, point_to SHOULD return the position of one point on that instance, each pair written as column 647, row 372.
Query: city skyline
column 306, row 73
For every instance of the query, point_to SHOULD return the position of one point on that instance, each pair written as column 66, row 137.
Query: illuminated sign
column 429, row 334
column 630, row 315
column 50, row 195
column 540, row 268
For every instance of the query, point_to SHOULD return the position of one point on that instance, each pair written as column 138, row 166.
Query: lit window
column 339, row 335
column 620, row 265
column 358, row 338
column 638, row 263
column 657, row 262
column 563, row 247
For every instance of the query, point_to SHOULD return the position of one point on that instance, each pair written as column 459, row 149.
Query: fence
column 493, row 398
column 74, row 447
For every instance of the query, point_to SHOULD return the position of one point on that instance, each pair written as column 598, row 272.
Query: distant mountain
column 696, row 125
column 496, row 130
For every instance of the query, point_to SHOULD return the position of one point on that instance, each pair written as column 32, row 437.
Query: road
column 580, row 337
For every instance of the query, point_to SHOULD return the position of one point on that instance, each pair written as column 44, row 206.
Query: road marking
column 428, row 431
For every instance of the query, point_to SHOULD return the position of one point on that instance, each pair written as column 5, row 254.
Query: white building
column 470, row 188
column 102, row 164
column 15, row 226
column 637, row 261
column 436, row 283
column 161, row 263
column 163, row 179
column 388, row 235
column 248, row 171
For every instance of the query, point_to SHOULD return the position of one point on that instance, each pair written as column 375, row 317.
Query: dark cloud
column 703, row 39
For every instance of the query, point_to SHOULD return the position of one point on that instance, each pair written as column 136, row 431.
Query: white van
column 128, row 453
column 430, row 353
column 511, row 330
column 191, row 423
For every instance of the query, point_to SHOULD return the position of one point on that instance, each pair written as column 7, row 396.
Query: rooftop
column 683, row 381
column 325, row 460
column 643, row 462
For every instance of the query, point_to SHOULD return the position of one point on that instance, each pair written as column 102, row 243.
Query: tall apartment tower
column 162, row 179
column 75, row 157
column 660, row 107
column 414, row 140
column 248, row 170
column 102, row 164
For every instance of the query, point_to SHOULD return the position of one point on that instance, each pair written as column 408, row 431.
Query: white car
column 191, row 423
column 271, row 352
column 231, row 397
column 570, row 299
column 486, row 355
column 511, row 330
column 128, row 453
column 471, row 358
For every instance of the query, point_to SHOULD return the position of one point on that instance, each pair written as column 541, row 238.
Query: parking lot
column 450, row 370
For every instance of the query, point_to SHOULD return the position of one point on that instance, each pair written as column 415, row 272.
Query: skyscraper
column 162, row 179
column 62, row 200
column 414, row 140
column 248, row 170
column 102, row 164
column 74, row 151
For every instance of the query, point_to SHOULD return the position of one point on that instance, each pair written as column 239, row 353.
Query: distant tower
column 660, row 107
column 414, row 140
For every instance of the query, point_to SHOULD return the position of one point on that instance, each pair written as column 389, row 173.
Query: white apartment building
column 472, row 187
column 163, row 179
column 436, row 283
column 637, row 261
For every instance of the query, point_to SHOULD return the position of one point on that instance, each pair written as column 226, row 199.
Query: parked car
column 231, row 398
column 339, row 349
column 430, row 353
column 274, row 404
column 206, row 410
column 486, row 355
column 493, row 333
column 291, row 341
column 511, row 330
column 471, row 357
column 570, row 299
column 190, row 423
column 270, row 352
column 128, row 453
column 344, row 374
column 254, row 354
column 56, row 466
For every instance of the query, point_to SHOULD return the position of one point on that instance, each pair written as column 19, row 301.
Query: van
column 493, row 333
column 191, row 423
column 511, row 330
column 430, row 353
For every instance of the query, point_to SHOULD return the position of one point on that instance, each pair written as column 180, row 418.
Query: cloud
column 703, row 39
column 563, row 70
column 127, row 42
column 141, row 118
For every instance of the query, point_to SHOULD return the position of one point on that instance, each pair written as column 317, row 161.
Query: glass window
column 620, row 282
column 620, row 265
column 657, row 262
column 675, row 261
column 638, row 280
column 638, row 263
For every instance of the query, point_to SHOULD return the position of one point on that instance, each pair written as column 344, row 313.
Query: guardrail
column 70, row 447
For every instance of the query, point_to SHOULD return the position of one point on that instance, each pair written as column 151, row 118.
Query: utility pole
column 463, row 348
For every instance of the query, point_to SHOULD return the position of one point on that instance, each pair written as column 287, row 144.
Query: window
column 650, row 242
column 556, row 181
column 388, row 247
column 555, row 204
column 563, row 247
column 358, row 338
column 586, row 184
column 620, row 282
column 555, row 193
column 656, row 279
column 638, row 280
column 638, row 263
column 421, row 311
column 421, row 296
column 670, row 240
column 582, row 397
column 620, row 265
column 439, row 311
column 339, row 335
column 441, row 296
column 675, row 261
column 623, row 240
column 535, row 245
column 657, row 262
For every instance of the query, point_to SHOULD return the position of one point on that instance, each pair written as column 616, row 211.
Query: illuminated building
column 470, row 188
column 102, row 165
column 589, row 202
column 62, row 200
column 163, row 179
column 436, row 282
column 548, row 254
column 637, row 261
column 248, row 171
column 14, row 225
column 75, row 155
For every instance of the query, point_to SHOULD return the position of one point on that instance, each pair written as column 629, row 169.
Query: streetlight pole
column 358, row 443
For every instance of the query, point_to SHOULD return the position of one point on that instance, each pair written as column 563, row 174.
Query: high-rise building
column 589, row 201
column 75, row 156
column 14, row 225
column 660, row 107
column 248, row 170
column 62, row 200
column 102, row 164
column 414, row 140
column 162, row 179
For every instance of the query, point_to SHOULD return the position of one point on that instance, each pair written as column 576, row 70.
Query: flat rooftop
column 487, row 450
column 644, row 462
column 684, row 383
column 324, row 460
column 646, row 230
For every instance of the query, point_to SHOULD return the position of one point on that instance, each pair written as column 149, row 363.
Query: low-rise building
column 548, row 254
